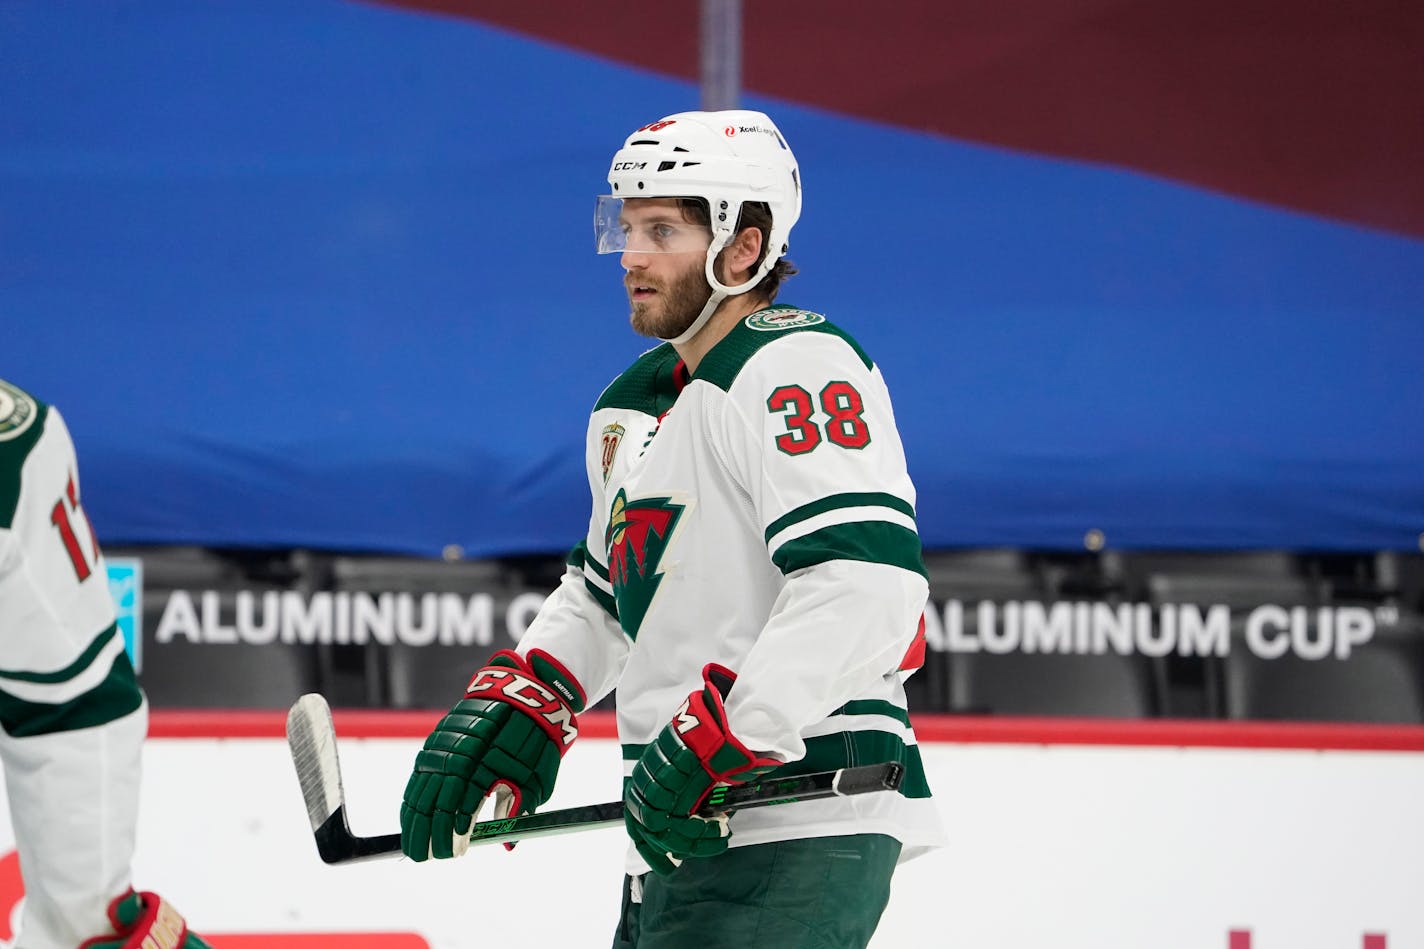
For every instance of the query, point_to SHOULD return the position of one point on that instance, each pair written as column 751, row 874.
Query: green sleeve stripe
column 577, row 555
column 86, row 658
column 835, row 502
column 867, row 541
column 605, row 600
column 580, row 559
column 598, row 569
column 842, row 750
column 875, row 707
column 113, row 698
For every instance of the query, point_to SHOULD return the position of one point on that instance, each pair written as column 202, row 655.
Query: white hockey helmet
column 726, row 158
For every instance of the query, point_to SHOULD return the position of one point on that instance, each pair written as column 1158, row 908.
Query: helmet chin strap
column 720, row 292
column 714, row 301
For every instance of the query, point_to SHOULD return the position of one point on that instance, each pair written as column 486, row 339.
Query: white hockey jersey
column 757, row 514
column 72, row 714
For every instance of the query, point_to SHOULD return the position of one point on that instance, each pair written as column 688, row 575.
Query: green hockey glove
column 505, row 737
column 143, row 921
column 691, row 755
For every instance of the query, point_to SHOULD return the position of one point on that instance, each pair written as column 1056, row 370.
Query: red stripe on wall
column 1171, row 732
column 1312, row 105
column 364, row 723
column 317, row 941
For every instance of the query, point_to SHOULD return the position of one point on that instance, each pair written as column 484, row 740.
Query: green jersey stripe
column 577, row 555
column 599, row 569
column 837, row 501
column 867, row 541
column 113, row 698
column 875, row 707
column 605, row 600
column 867, row 747
column 580, row 558
column 69, row 671
column 844, row 750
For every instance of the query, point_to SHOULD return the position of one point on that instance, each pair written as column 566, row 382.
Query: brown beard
column 680, row 304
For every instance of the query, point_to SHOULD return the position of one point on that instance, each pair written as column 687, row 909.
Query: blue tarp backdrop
column 321, row 274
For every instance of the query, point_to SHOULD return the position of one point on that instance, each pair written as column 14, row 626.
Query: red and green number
column 840, row 403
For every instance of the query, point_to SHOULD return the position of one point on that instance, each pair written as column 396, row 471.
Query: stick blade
column 311, row 738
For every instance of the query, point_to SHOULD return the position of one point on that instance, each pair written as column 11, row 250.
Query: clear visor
column 645, row 226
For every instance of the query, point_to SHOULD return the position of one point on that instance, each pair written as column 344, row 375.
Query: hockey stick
column 311, row 737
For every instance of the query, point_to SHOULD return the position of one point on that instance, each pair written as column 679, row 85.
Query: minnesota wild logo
column 637, row 536
column 782, row 318
column 17, row 412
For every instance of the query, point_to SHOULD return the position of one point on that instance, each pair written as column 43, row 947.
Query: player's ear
column 742, row 254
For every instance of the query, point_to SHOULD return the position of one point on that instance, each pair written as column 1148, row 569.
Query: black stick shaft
column 337, row 844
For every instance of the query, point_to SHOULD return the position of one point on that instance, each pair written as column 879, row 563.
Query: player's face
column 668, row 288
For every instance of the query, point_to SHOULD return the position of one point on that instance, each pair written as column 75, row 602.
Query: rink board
column 1116, row 844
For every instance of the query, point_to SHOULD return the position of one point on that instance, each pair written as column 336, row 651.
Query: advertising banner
column 407, row 633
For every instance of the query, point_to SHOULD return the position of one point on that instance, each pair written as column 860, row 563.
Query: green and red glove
column 145, row 921
column 506, row 737
column 691, row 755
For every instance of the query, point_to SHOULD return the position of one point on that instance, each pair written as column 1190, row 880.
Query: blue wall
column 320, row 274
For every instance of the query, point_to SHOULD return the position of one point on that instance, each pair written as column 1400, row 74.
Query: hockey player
column 751, row 581
column 72, row 713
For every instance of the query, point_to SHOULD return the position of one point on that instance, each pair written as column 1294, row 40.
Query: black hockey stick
column 312, row 739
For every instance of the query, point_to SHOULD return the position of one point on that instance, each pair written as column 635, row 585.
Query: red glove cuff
column 511, row 678
column 702, row 726
column 158, row 925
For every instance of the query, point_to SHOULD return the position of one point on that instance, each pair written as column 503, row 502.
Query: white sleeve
column 64, row 666
column 839, row 525
column 73, row 721
column 72, row 717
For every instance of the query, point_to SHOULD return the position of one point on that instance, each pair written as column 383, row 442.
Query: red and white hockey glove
column 145, row 921
column 691, row 755
column 506, row 737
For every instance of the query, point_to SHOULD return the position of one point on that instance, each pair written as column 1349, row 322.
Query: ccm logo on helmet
column 629, row 165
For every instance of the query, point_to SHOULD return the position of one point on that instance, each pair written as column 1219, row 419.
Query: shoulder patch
column 774, row 320
column 22, row 424
column 772, row 325
column 17, row 411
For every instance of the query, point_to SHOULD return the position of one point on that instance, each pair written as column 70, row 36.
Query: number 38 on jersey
column 832, row 415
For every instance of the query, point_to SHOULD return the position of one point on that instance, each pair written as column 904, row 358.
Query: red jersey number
column 60, row 517
column 839, row 401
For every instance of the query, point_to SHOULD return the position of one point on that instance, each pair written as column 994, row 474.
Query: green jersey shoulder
column 773, row 326
column 22, row 421
column 649, row 386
